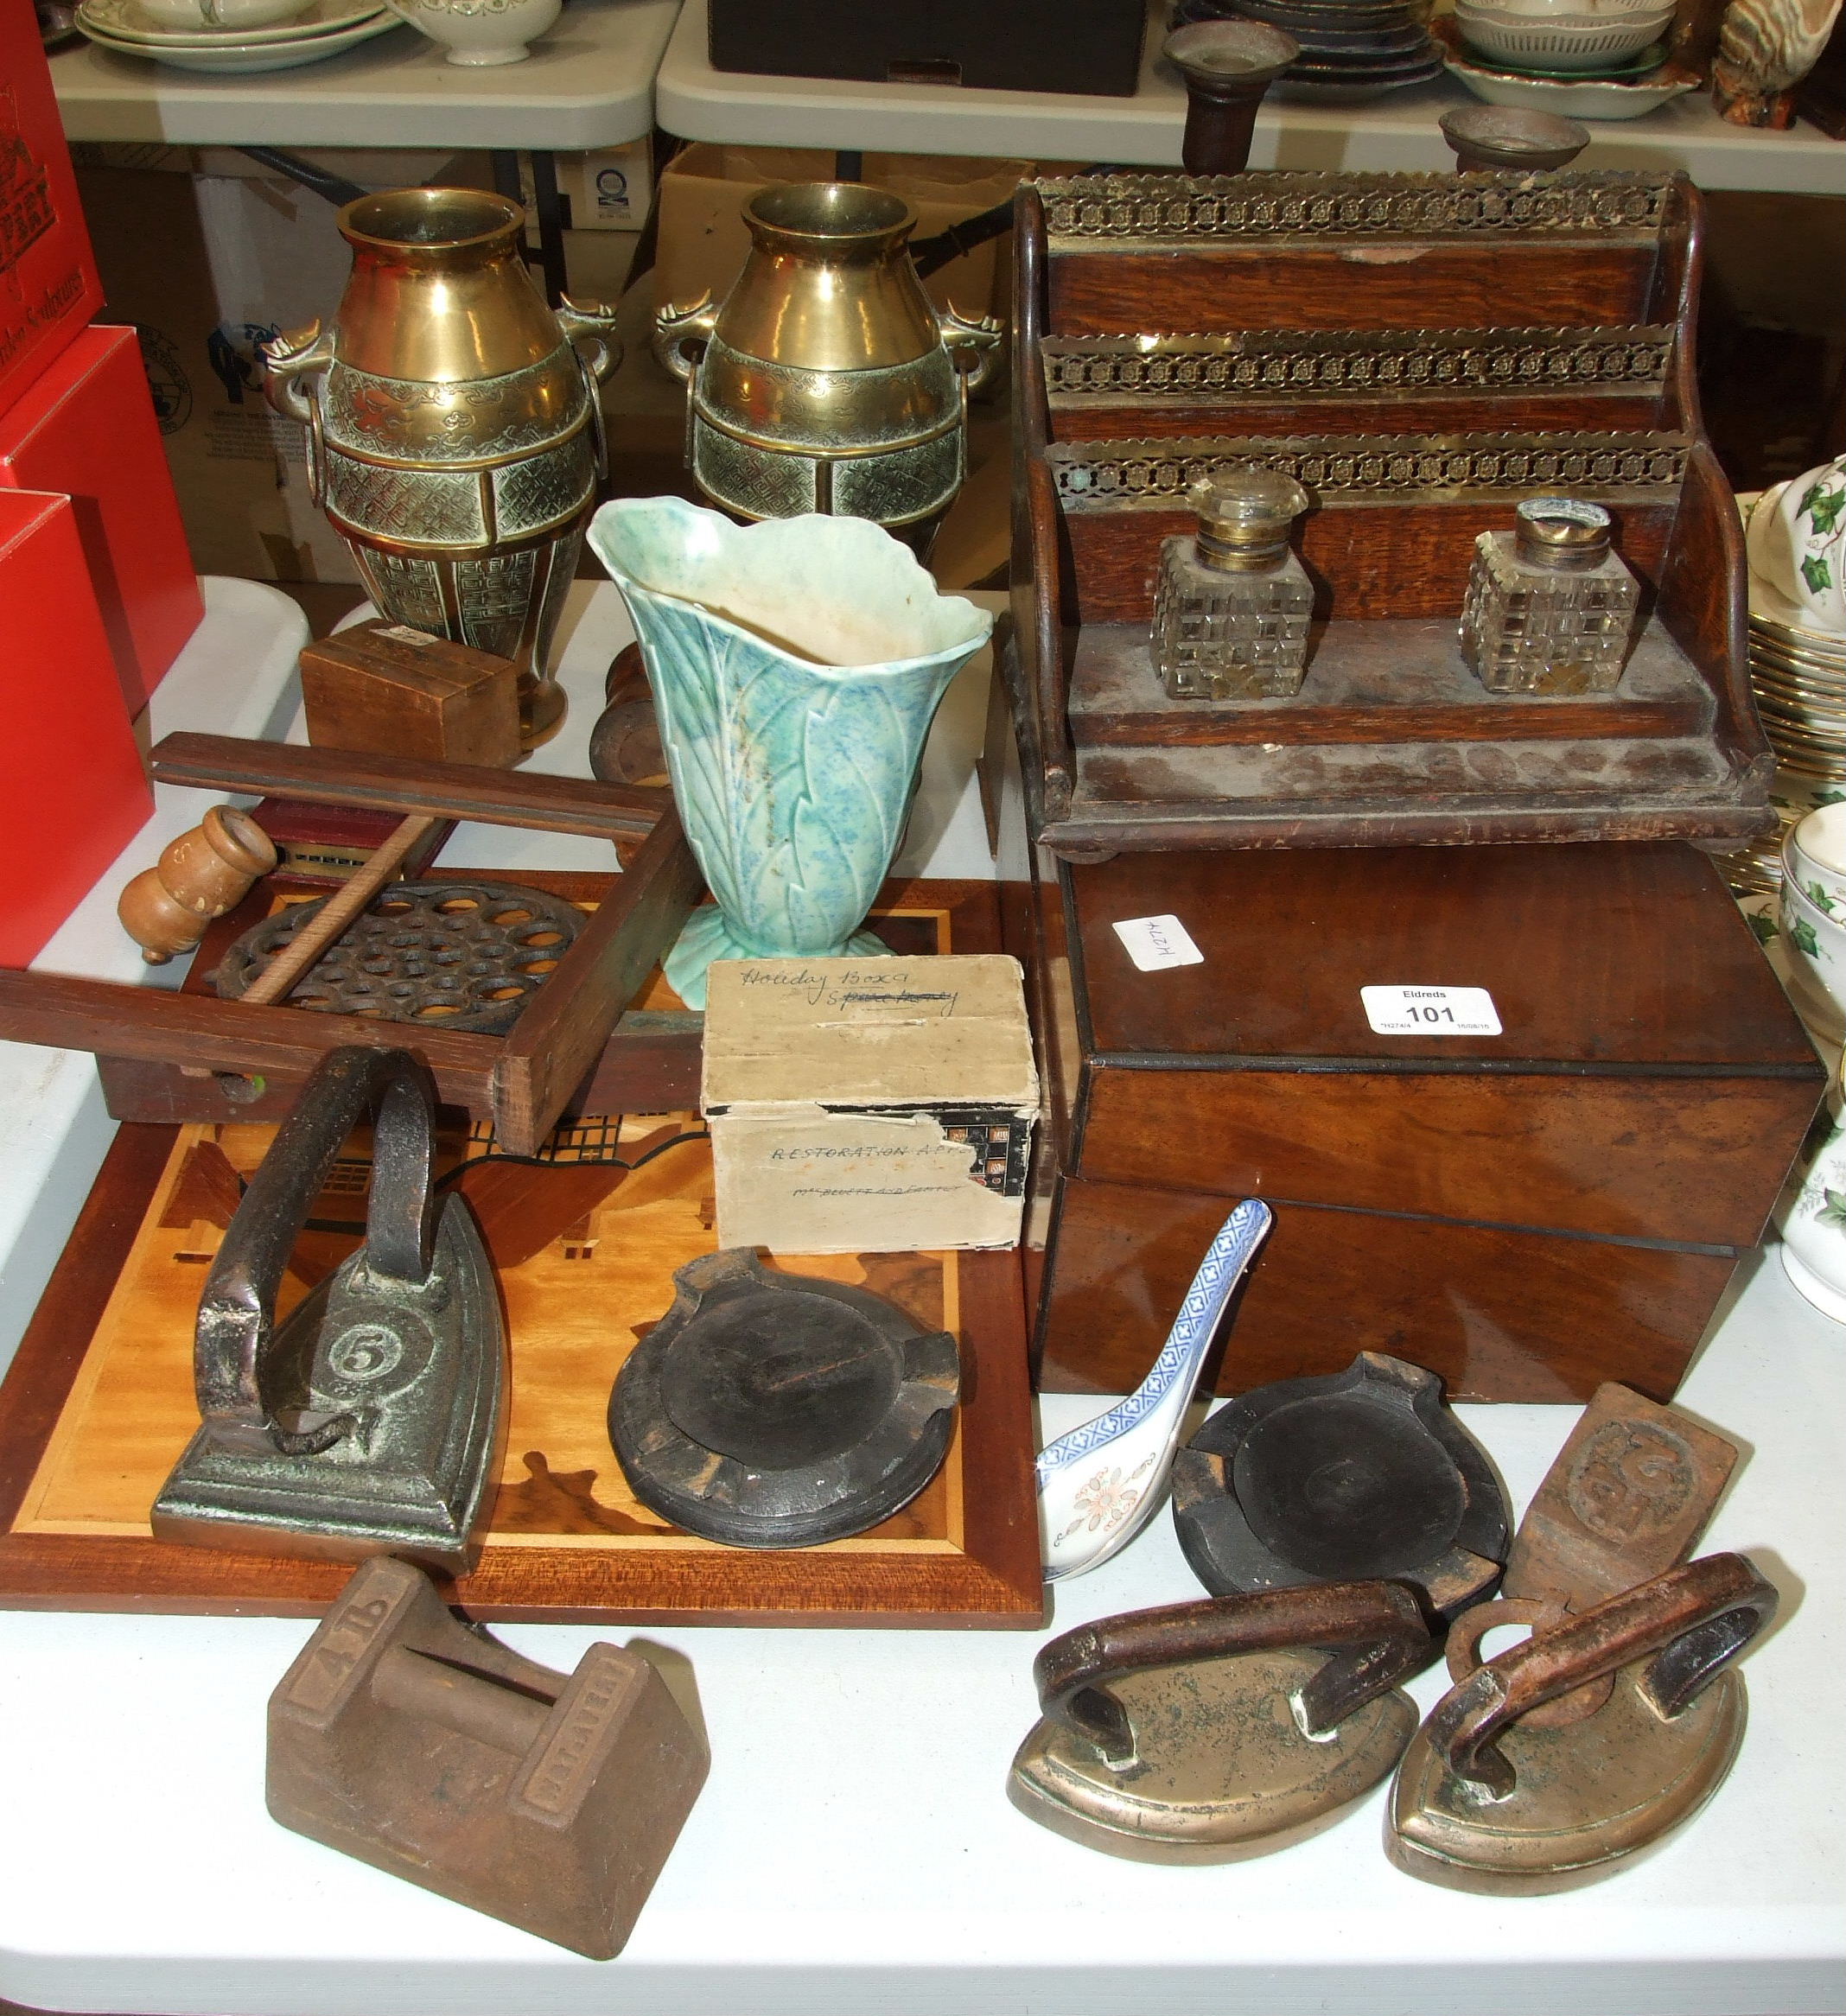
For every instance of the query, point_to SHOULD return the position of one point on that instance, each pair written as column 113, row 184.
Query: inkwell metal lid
column 1561, row 534
column 1245, row 516
column 1362, row 1474
column 770, row 1409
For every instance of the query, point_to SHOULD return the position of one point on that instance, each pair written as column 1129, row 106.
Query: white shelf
column 589, row 83
column 1399, row 132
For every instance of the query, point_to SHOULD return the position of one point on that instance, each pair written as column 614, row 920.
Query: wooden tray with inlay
column 585, row 1240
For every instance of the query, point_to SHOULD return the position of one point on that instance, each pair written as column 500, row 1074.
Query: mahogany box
column 1528, row 1214
column 85, row 427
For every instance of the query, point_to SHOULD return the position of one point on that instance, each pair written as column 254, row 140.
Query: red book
column 72, row 790
column 85, row 427
column 48, row 287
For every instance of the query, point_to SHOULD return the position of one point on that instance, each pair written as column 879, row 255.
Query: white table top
column 1399, row 132
column 853, row 1850
column 589, row 83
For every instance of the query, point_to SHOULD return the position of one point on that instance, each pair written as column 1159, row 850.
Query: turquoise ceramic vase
column 796, row 666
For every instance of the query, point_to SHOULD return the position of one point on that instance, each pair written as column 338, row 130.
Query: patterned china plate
column 242, row 59
column 1582, row 97
column 125, row 21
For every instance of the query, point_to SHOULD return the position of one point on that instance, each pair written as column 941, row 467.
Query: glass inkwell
column 1231, row 605
column 1550, row 607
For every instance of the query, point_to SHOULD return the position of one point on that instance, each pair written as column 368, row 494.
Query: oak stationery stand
column 1167, row 325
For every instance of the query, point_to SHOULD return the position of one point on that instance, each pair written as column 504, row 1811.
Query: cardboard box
column 85, row 427
column 868, row 1105
column 72, row 790
column 703, row 240
column 48, row 287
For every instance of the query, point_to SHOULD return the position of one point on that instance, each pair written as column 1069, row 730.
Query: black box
column 1088, row 46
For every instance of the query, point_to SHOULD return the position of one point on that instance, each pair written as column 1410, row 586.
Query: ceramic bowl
column 1814, row 858
column 1564, row 43
column 1816, row 948
column 228, row 15
column 1570, row 98
column 1814, row 1229
column 478, row 33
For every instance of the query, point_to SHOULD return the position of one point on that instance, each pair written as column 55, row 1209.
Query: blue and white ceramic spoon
column 1098, row 1486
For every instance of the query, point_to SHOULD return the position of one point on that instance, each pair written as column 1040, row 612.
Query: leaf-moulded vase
column 796, row 666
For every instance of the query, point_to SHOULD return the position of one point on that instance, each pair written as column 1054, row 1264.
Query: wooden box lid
column 1611, row 957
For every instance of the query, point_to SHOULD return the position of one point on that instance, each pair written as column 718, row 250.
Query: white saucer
column 240, row 59
column 125, row 21
column 1584, row 97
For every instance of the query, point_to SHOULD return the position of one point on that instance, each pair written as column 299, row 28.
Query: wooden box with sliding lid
column 1528, row 1213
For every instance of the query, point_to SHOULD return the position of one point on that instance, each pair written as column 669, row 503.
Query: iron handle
column 1688, row 1624
column 677, row 329
column 236, row 1312
column 477, row 1705
column 1373, row 1633
column 977, row 336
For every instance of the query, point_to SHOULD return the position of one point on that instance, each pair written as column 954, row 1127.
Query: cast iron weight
column 1364, row 1472
column 1212, row 1731
column 370, row 1421
column 1490, row 1800
column 770, row 1409
column 550, row 1800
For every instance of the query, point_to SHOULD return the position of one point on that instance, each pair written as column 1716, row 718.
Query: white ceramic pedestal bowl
column 1814, row 1232
column 1816, row 949
column 478, row 33
column 1797, row 541
column 1561, row 43
column 1814, row 855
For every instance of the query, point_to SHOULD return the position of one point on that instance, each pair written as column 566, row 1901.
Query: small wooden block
column 386, row 688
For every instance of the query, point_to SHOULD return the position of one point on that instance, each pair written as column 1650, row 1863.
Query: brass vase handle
column 678, row 330
column 1373, row 1633
column 294, row 364
column 975, row 336
column 1688, row 1624
column 589, row 328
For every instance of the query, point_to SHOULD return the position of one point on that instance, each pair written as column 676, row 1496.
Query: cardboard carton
column 868, row 1105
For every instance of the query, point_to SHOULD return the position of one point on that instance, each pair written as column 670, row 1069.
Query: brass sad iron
column 1211, row 1731
column 1490, row 1798
column 370, row 1422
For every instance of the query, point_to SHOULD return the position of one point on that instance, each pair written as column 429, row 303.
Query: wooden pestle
column 273, row 983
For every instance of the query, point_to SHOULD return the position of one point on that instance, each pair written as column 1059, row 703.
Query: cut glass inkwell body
column 1550, row 607
column 1231, row 605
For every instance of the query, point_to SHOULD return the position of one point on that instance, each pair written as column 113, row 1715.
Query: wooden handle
column 1375, row 1631
column 1694, row 1620
column 305, row 948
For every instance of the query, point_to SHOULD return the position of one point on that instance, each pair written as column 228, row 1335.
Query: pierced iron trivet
column 780, row 1410
column 1364, row 1474
column 462, row 955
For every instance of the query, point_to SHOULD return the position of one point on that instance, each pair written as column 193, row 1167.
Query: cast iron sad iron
column 769, row 1409
column 1489, row 1798
column 1364, row 1472
column 370, row 1421
column 1212, row 1732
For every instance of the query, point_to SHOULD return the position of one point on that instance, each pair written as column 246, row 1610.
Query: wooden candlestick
column 205, row 872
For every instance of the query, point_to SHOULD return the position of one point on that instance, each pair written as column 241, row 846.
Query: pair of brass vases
column 456, row 434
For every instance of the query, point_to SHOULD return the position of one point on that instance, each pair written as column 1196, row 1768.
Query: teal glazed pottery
column 796, row 666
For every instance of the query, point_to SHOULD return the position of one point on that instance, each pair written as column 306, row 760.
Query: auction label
column 1429, row 1011
column 1155, row 943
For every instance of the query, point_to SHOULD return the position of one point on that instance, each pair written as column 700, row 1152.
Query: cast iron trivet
column 462, row 955
column 1364, row 1473
column 779, row 1410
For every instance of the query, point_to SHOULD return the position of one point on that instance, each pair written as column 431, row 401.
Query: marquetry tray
column 99, row 1401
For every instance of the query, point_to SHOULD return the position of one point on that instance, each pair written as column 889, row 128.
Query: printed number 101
column 1432, row 1014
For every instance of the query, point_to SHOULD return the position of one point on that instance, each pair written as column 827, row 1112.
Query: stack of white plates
column 323, row 30
column 1799, row 676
